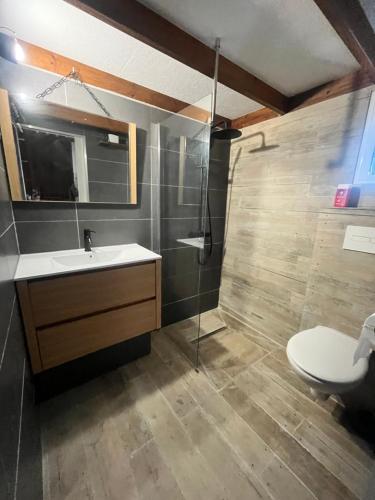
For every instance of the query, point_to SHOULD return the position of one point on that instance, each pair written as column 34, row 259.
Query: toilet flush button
column 359, row 239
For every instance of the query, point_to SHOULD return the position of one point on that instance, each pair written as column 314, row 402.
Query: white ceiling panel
column 62, row 28
column 287, row 43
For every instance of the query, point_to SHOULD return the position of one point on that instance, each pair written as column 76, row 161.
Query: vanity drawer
column 61, row 343
column 63, row 298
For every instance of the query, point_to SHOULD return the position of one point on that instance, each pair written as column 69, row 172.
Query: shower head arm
column 222, row 122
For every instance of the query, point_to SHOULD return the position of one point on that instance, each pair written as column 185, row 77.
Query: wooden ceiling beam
column 261, row 115
column 142, row 23
column 47, row 60
column 352, row 25
column 345, row 85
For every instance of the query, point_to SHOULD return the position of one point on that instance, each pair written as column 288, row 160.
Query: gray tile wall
column 158, row 221
column 20, row 449
column 188, row 286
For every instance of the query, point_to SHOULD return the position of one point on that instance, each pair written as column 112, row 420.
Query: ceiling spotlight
column 10, row 48
column 18, row 51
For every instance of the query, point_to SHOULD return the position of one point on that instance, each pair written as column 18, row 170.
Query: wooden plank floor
column 244, row 427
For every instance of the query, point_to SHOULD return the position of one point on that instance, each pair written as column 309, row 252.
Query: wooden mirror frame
column 53, row 110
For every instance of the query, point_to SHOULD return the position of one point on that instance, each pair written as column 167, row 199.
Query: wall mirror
column 57, row 153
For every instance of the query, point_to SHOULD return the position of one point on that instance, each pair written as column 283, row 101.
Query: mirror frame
column 46, row 108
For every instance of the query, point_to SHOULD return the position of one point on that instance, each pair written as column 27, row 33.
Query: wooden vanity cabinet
column 71, row 315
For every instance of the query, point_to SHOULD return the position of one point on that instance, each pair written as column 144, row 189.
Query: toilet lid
column 326, row 354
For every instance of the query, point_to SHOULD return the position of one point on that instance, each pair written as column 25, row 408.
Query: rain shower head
column 225, row 134
column 222, row 132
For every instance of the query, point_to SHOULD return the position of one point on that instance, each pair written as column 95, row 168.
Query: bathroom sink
column 37, row 265
column 95, row 256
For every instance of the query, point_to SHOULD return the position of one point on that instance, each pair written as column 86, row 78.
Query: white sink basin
column 87, row 258
column 37, row 265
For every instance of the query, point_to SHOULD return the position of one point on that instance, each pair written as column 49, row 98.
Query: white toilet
column 323, row 358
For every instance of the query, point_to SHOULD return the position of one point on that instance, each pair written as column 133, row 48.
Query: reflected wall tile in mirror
column 47, row 236
column 96, row 150
column 118, row 232
column 107, row 171
column 108, row 192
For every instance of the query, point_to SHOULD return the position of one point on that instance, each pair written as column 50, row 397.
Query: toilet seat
column 326, row 355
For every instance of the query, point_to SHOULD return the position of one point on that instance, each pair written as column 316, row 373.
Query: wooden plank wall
column 284, row 267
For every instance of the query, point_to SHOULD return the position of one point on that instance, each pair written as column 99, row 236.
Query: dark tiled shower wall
column 190, row 284
column 20, row 449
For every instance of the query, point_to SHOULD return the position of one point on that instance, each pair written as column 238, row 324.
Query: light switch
column 360, row 239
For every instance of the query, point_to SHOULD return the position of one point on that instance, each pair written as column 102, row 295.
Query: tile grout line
column 296, row 393
column 112, row 184
column 273, row 451
column 191, row 297
column 185, row 247
column 296, row 440
column 180, row 419
column 7, row 334
column 247, row 467
column 248, row 470
column 228, row 311
column 189, row 247
column 7, row 229
column 15, row 228
column 19, row 431
column 77, row 220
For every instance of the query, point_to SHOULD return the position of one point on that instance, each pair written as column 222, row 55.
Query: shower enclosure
column 190, row 172
column 180, row 168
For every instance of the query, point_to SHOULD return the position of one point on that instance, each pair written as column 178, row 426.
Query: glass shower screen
column 180, row 163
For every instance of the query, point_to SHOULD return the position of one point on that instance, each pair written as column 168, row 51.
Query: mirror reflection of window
column 65, row 154
column 49, row 164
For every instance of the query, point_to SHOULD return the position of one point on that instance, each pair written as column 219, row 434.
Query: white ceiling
column 287, row 43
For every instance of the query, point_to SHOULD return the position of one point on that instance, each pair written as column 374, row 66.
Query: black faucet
column 87, row 239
